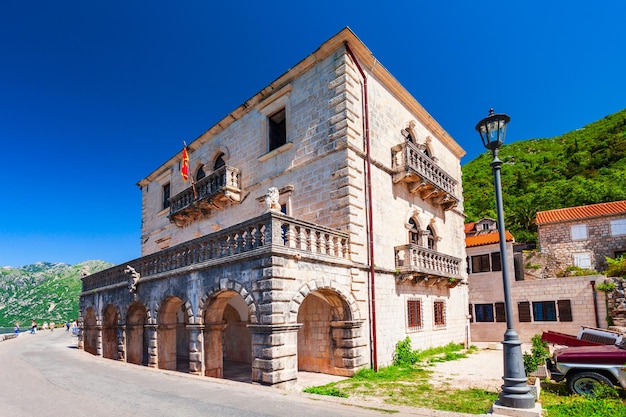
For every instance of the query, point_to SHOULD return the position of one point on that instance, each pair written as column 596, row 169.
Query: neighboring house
column 558, row 304
column 322, row 227
column 583, row 236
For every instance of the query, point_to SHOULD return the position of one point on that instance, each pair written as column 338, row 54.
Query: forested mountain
column 42, row 292
column 582, row 167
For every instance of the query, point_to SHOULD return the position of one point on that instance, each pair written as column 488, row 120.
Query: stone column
column 214, row 350
column 121, row 343
column 98, row 330
column 349, row 348
column 196, row 349
column 275, row 354
column 153, row 351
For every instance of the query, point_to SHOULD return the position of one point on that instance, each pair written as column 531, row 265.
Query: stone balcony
column 427, row 266
column 211, row 192
column 422, row 175
column 269, row 234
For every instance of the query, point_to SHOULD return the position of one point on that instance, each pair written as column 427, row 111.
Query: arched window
column 219, row 162
column 414, row 234
column 432, row 239
column 200, row 173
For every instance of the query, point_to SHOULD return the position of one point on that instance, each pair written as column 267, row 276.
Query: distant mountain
column 582, row 167
column 42, row 292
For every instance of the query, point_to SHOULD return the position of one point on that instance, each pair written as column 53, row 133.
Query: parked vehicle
column 584, row 367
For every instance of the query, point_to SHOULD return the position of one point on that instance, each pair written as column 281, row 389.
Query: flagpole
column 189, row 173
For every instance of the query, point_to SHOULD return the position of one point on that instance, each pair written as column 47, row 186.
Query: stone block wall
column 555, row 239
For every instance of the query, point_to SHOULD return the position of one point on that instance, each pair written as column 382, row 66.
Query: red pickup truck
column 584, row 367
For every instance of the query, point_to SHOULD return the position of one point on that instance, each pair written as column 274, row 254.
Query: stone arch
column 329, row 330
column 172, row 336
column 110, row 330
column 349, row 305
column 137, row 318
column 226, row 313
column 90, row 330
column 229, row 285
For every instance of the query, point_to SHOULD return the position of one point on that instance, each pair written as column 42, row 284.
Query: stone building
column 324, row 224
column 583, row 236
column 539, row 304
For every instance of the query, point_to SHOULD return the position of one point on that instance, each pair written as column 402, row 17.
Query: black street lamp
column 515, row 390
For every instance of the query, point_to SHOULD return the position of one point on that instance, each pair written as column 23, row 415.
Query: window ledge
column 274, row 152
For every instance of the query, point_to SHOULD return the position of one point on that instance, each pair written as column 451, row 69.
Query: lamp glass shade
column 492, row 129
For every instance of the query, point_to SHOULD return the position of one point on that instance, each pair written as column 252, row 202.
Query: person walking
column 17, row 328
column 33, row 327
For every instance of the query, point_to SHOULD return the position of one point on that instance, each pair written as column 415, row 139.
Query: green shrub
column 404, row 354
column 537, row 356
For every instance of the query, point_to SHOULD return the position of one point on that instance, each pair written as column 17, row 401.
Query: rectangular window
column 618, row 227
column 480, row 263
column 582, row 260
column 579, row 231
column 439, row 310
column 484, row 313
column 500, row 313
column 619, row 253
column 565, row 310
column 166, row 196
column 277, row 130
column 544, row 311
column 523, row 308
column 496, row 262
column 414, row 314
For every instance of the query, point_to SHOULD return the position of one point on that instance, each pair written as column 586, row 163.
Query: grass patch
column 407, row 384
column 557, row 402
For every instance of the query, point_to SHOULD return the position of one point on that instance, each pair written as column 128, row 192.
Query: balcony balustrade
column 269, row 234
column 211, row 192
column 427, row 266
column 422, row 175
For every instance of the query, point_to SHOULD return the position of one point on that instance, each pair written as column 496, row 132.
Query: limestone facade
column 325, row 226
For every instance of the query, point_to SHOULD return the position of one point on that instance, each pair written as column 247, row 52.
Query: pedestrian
column 17, row 328
column 52, row 324
column 67, row 326
column 33, row 327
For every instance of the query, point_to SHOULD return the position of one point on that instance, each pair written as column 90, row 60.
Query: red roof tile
column 581, row 212
column 469, row 227
column 487, row 239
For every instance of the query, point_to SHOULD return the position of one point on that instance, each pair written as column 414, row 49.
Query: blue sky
column 95, row 95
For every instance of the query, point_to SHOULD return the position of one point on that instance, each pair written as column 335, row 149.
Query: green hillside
column 42, row 292
column 582, row 167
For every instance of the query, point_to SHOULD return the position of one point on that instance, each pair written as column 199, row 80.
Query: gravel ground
column 482, row 369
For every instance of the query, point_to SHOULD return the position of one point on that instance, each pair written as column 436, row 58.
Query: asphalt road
column 44, row 375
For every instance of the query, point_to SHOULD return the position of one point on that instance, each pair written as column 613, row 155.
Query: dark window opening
column 166, row 196
column 480, row 263
column 484, row 313
column 219, row 162
column 278, row 130
column 440, row 313
column 414, row 236
column 414, row 314
column 431, row 238
column 544, row 311
column 200, row 173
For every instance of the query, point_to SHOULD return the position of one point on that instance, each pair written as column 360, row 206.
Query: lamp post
column 515, row 390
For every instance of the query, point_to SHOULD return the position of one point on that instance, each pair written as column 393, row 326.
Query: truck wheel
column 583, row 383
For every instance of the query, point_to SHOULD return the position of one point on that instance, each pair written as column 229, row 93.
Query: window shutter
column 496, row 262
column 471, row 315
column 523, row 308
column 500, row 312
column 565, row 310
